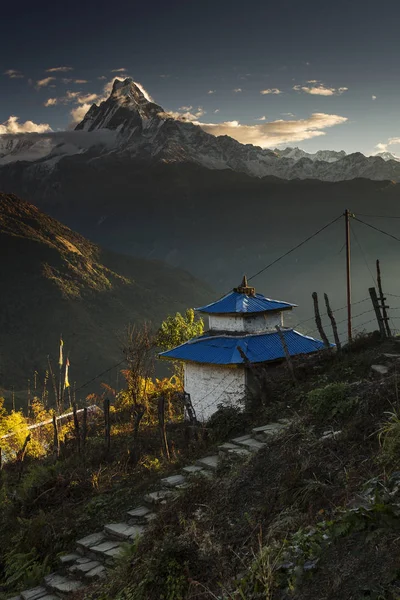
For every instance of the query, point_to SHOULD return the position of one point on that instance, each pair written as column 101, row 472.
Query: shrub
column 332, row 400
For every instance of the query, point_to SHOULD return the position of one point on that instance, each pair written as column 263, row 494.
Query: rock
column 123, row 531
column 62, row 585
column 380, row 369
column 34, row 593
column 209, row 462
column 330, row 434
column 173, row 481
column 265, row 432
column 391, row 356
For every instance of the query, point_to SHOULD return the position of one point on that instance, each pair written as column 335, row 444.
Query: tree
column 179, row 329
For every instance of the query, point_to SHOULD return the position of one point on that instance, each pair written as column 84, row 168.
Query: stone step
column 208, row 462
column 83, row 566
column 34, row 593
column 192, row 469
column 252, row 444
column 107, row 551
column 90, row 570
column 123, row 531
column 224, row 448
column 391, row 356
column 158, row 497
column 265, row 432
column 63, row 585
column 380, row 369
column 95, row 574
column 15, row 598
column 90, row 541
column 139, row 515
column 239, row 452
column 173, row 481
column 241, row 439
column 68, row 559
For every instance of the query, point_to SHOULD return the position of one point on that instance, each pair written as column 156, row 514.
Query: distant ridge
column 55, row 281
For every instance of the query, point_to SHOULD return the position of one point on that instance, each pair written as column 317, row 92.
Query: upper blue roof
column 223, row 350
column 236, row 302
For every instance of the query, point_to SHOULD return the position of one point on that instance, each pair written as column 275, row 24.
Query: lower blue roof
column 223, row 350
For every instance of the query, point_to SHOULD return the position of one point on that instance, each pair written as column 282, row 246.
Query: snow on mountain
column 387, row 156
column 141, row 129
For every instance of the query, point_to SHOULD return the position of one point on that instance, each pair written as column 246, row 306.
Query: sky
column 313, row 74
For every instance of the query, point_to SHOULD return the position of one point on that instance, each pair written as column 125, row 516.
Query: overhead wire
column 294, row 248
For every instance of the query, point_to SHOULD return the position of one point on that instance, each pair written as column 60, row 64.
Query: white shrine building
column 215, row 370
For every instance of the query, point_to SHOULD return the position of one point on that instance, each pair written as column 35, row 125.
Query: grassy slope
column 206, row 544
column 55, row 281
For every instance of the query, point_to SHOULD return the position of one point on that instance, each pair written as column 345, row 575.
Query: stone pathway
column 96, row 553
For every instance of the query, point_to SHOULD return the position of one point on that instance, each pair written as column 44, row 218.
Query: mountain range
column 128, row 123
column 54, row 281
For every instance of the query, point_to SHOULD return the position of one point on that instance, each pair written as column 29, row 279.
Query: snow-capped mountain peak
column 139, row 129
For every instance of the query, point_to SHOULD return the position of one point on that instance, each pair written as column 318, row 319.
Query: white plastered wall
column 248, row 324
column 211, row 385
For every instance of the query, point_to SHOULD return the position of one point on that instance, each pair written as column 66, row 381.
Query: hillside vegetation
column 54, row 281
column 313, row 515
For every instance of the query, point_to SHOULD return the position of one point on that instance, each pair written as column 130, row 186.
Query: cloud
column 163, row 76
column 270, row 91
column 13, row 74
column 216, row 111
column 80, row 81
column 44, row 82
column 237, row 90
column 13, row 126
column 59, row 69
column 82, row 139
column 51, row 102
column 86, row 99
column 262, row 118
column 102, row 77
column 383, row 147
column 320, row 89
column 211, row 92
column 275, row 132
column 184, row 114
column 373, row 97
column 121, row 70
column 79, row 112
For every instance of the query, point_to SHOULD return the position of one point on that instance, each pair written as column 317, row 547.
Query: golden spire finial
column 244, row 288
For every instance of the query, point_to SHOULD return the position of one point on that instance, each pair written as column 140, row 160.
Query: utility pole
column 348, row 279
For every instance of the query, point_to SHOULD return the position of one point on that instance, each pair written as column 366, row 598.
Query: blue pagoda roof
column 237, row 302
column 223, row 349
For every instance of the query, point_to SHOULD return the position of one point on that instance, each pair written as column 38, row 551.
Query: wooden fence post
column 84, row 427
column 287, row 354
column 107, row 426
column 318, row 321
column 382, row 299
column 21, row 455
column 163, row 431
column 333, row 322
column 375, row 304
column 76, row 426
